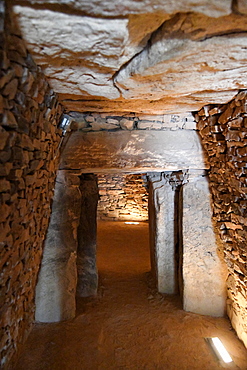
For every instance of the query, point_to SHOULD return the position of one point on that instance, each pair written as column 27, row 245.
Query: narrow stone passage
column 128, row 325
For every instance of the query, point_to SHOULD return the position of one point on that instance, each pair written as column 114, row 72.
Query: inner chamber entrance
column 124, row 197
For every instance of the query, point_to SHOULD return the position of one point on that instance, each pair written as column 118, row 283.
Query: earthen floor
column 128, row 325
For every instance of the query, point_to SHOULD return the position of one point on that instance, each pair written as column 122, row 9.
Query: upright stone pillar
column 162, row 232
column 204, row 272
column 87, row 232
column 56, row 287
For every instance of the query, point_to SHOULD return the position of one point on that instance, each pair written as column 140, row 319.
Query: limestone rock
column 87, row 284
column 202, row 258
column 126, row 124
column 184, row 67
column 84, row 53
column 131, row 56
column 169, row 105
column 125, row 7
column 55, row 291
column 133, row 151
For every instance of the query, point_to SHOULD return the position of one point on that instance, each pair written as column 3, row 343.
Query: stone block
column 4, row 135
column 11, row 89
column 6, row 77
column 202, row 256
column 9, row 120
column 112, row 121
column 127, row 124
column 4, row 185
column 54, row 302
column 133, row 150
column 149, row 125
column 162, row 232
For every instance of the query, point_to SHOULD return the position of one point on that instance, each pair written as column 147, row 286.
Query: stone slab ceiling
column 151, row 56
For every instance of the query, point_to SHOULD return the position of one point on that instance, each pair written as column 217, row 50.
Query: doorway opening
column 123, row 253
column 122, row 197
column 150, row 199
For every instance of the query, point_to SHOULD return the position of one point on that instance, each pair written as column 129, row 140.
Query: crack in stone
column 182, row 35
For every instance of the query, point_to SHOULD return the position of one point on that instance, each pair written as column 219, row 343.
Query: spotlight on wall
column 219, row 349
column 131, row 223
column 64, row 123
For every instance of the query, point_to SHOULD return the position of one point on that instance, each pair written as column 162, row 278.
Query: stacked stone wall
column 223, row 129
column 122, row 197
column 113, row 121
column 29, row 138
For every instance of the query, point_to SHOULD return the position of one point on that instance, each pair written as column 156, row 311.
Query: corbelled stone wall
column 122, row 197
column 223, row 129
column 29, row 138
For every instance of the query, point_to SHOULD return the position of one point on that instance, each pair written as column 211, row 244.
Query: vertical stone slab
column 56, row 287
column 87, row 237
column 204, row 272
column 162, row 232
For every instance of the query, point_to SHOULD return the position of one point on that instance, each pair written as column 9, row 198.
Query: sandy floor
column 129, row 325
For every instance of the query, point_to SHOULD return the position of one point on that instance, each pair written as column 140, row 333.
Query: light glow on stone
column 131, row 223
column 221, row 351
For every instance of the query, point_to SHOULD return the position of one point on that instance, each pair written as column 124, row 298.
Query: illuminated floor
column 129, row 325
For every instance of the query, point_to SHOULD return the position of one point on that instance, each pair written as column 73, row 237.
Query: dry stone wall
column 29, row 114
column 223, row 129
column 113, row 121
column 122, row 197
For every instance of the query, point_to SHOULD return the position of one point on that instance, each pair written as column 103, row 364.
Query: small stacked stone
column 29, row 139
column 112, row 122
column 122, row 197
column 223, row 129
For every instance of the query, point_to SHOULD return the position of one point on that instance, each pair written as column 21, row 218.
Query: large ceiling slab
column 137, row 56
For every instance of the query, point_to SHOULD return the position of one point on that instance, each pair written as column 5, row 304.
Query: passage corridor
column 128, row 325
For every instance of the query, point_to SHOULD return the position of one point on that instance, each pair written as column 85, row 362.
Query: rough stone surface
column 162, row 233
column 185, row 255
column 223, row 130
column 87, row 284
column 56, row 286
column 165, row 58
column 172, row 105
column 137, row 56
column 106, row 8
column 29, row 140
column 122, row 197
column 204, row 270
column 134, row 121
column 132, row 151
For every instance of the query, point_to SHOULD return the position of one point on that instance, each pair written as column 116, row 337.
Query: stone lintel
column 133, row 151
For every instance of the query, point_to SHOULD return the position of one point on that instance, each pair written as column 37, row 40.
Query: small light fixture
column 131, row 223
column 64, row 123
column 219, row 349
